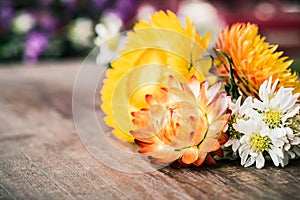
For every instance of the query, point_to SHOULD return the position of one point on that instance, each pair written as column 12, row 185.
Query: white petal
column 228, row 143
column 258, row 104
column 246, row 105
column 244, row 140
column 235, row 145
column 260, row 161
column 289, row 132
column 278, row 151
column 292, row 154
column 291, row 101
column 278, row 143
column 287, row 147
column 275, row 84
column 262, row 89
column 247, row 127
column 274, row 157
column 249, row 162
column 264, row 132
column 295, row 141
column 276, row 100
column 244, row 156
column 253, row 154
column 291, row 113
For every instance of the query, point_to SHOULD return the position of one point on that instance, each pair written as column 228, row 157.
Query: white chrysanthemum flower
column 269, row 126
column 278, row 110
column 292, row 142
column 239, row 112
column 276, row 107
column 255, row 143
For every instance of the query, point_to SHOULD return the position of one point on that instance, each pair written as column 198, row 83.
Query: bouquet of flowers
column 183, row 106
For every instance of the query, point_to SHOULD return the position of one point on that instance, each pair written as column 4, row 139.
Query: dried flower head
column 182, row 122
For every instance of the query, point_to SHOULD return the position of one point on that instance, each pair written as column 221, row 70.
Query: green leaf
column 233, row 91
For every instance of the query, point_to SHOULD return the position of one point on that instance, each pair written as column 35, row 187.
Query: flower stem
column 233, row 87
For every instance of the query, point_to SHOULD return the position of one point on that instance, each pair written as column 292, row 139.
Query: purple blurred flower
column 35, row 45
column 47, row 21
column 126, row 9
column 6, row 14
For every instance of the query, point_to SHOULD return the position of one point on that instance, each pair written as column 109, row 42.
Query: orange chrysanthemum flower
column 253, row 60
column 182, row 122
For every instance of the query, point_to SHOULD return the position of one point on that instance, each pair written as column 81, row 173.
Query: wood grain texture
column 41, row 156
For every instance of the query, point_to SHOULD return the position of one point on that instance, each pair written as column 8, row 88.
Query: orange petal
column 190, row 155
column 200, row 160
column 141, row 118
column 223, row 138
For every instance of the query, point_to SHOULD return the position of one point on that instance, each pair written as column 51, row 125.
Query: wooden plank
column 42, row 157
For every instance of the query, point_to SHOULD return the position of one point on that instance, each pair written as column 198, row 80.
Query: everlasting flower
column 182, row 122
column 253, row 60
column 163, row 42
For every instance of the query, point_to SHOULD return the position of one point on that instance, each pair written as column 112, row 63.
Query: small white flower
column 278, row 110
column 276, row 107
column 109, row 40
column 269, row 126
column 238, row 113
column 255, row 143
column 81, row 32
column 23, row 22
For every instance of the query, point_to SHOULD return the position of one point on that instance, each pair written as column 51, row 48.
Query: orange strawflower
column 182, row 122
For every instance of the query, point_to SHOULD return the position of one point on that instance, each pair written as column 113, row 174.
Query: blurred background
column 37, row 30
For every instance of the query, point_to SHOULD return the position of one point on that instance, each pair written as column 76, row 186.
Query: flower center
column 294, row 123
column 234, row 133
column 260, row 143
column 272, row 118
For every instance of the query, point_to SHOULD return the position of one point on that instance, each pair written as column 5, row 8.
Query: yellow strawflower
column 154, row 51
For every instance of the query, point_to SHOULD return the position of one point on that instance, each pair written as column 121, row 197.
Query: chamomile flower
column 255, row 144
column 269, row 126
column 239, row 112
column 292, row 141
column 278, row 111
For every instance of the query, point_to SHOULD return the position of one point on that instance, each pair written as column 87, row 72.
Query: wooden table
column 42, row 157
